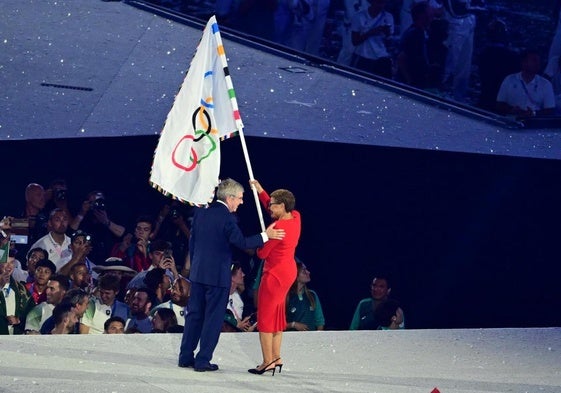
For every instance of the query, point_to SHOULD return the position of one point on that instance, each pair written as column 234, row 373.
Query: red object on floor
column 435, row 390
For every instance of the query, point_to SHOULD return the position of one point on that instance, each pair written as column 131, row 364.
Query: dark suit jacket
column 214, row 232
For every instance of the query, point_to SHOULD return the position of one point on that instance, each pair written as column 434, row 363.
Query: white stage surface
column 464, row 361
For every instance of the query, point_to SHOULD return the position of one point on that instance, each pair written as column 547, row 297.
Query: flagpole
column 239, row 123
column 250, row 171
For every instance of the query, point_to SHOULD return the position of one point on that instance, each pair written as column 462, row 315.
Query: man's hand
column 272, row 233
column 244, row 324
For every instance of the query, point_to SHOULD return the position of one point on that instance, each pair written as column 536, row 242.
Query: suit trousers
column 203, row 323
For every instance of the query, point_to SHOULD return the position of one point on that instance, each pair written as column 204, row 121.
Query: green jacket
column 21, row 300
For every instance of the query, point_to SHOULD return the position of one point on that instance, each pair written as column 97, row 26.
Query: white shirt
column 10, row 298
column 56, row 251
column 536, row 95
column 38, row 315
column 374, row 47
column 179, row 311
column 235, row 304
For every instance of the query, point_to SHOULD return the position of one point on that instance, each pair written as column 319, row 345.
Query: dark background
column 469, row 240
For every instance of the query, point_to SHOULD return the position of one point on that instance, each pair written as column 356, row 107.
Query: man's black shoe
column 207, row 367
column 185, row 365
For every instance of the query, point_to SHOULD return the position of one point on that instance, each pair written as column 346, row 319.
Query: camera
column 20, row 223
column 60, row 194
column 253, row 319
column 174, row 213
column 99, row 204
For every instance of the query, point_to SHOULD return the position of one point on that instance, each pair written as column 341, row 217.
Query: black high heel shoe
column 264, row 369
column 279, row 366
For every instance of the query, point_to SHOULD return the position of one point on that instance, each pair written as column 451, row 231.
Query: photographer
column 56, row 196
column 94, row 219
column 173, row 225
column 234, row 319
column 80, row 249
column 133, row 250
column 160, row 257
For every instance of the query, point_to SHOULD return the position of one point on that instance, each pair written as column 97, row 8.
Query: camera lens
column 60, row 195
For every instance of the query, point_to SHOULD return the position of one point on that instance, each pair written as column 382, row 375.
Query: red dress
column 279, row 273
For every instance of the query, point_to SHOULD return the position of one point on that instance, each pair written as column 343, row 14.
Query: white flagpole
column 250, row 171
column 239, row 124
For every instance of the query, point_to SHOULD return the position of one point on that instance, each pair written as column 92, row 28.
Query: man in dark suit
column 214, row 232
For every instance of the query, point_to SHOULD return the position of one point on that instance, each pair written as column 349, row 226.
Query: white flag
column 187, row 159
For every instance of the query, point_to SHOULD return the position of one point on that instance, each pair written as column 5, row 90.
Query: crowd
column 64, row 271
column 429, row 45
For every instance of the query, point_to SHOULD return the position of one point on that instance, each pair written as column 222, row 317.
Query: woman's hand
column 301, row 327
column 257, row 185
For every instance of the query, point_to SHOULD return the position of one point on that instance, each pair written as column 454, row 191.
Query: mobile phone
column 19, row 239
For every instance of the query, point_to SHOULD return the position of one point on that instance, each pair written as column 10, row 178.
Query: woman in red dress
column 279, row 273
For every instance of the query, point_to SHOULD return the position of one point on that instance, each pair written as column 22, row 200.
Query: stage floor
column 465, row 361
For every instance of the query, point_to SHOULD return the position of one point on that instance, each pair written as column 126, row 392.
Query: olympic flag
column 186, row 162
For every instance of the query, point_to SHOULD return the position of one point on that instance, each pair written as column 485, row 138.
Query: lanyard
column 532, row 101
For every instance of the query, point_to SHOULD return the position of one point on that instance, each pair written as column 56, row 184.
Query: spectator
column 369, row 30
column 555, row 79
column 12, row 300
column 496, row 61
column 56, row 290
column 555, row 46
column 80, row 250
column 164, row 321
column 160, row 283
column 352, row 7
column 303, row 307
column 93, row 218
column 78, row 299
column 56, row 196
column 413, row 62
column 134, row 248
column 65, row 319
column 308, row 24
column 282, row 19
column 114, row 325
column 81, row 278
column 389, row 315
column 104, row 306
column 179, row 299
column 406, row 17
column 437, row 51
column 364, row 317
column 461, row 31
column 140, row 311
column 56, row 242
column 172, row 226
column 234, row 320
column 33, row 256
column 116, row 266
column 526, row 94
column 160, row 257
column 43, row 271
column 34, row 200
column 34, row 212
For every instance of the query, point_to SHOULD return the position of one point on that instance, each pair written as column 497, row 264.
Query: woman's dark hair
column 168, row 317
column 286, row 197
column 386, row 311
column 294, row 288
